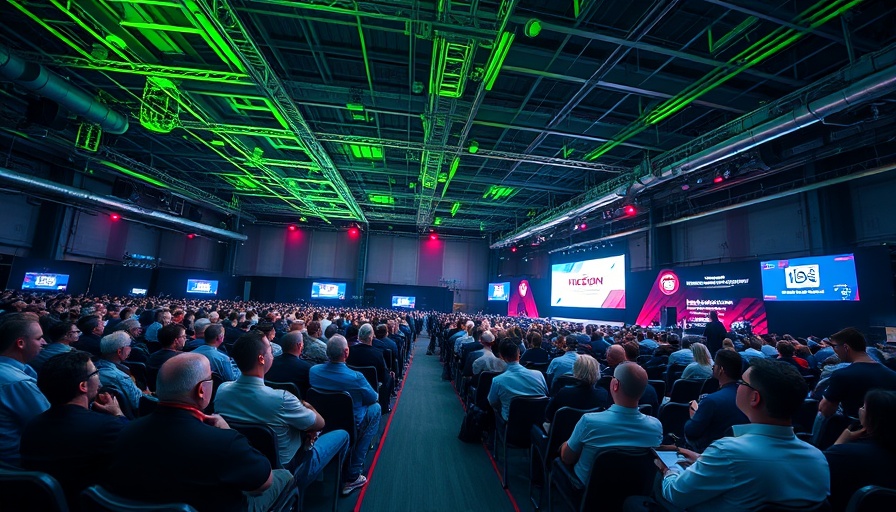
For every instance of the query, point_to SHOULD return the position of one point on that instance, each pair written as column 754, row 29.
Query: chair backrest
column 872, row 498
column 524, row 412
column 646, row 409
column 31, row 490
column 673, row 373
column 685, row 390
column 369, row 373
column 152, row 375
column 285, row 386
column 387, row 356
column 710, row 385
column 561, row 381
column 542, row 367
column 564, row 422
column 824, row 506
column 642, row 360
column 482, row 389
column 98, row 499
column 138, row 371
column 673, row 416
column 831, row 428
column 262, row 438
column 337, row 409
column 659, row 386
column 804, row 418
column 657, row 373
column 618, row 473
column 604, row 382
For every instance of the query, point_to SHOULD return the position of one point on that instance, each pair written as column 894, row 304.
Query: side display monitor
column 499, row 291
column 817, row 278
column 399, row 301
column 328, row 291
column 41, row 281
column 202, row 286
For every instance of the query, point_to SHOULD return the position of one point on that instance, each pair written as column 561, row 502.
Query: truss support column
column 361, row 271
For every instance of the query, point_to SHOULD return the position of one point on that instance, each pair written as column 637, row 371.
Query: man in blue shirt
column 219, row 361
column 515, row 381
column 718, row 412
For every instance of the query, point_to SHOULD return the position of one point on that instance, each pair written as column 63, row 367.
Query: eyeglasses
column 209, row 379
column 95, row 372
column 742, row 382
column 74, row 332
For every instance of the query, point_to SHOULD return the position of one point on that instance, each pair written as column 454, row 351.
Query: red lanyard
column 199, row 415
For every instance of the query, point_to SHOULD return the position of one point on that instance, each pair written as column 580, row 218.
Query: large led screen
column 731, row 290
column 598, row 283
column 203, row 286
column 399, row 301
column 328, row 291
column 828, row 278
column 41, row 281
column 499, row 291
column 522, row 300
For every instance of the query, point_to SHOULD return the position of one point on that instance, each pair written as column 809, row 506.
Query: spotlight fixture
column 685, row 186
column 115, row 217
column 583, row 226
column 718, row 179
column 191, row 236
column 513, row 249
column 629, row 210
column 473, row 148
column 353, row 232
column 433, row 236
column 292, row 227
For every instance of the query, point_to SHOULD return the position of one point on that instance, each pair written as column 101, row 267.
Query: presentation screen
column 328, row 291
column 598, row 283
column 202, row 286
column 138, row 292
column 399, row 301
column 40, row 281
column 817, row 278
column 499, row 291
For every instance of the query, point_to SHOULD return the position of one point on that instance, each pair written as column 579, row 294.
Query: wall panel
column 19, row 221
column 777, row 227
column 873, row 209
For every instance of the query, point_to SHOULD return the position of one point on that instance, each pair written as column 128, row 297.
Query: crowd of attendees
column 89, row 385
column 739, row 450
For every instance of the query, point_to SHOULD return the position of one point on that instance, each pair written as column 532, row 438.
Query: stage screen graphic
column 598, row 283
column 522, row 301
column 499, row 291
column 41, row 281
column 818, row 278
column 328, row 291
column 203, row 286
column 732, row 290
column 399, row 301
column 138, row 292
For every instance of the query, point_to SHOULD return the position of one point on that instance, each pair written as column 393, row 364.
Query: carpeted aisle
column 422, row 465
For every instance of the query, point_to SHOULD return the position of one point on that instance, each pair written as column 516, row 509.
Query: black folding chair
column 336, row 407
column 673, row 416
column 285, row 386
column 546, row 446
column 685, row 390
column 138, row 371
column 617, row 473
column 524, row 412
column 24, row 491
column 98, row 499
column 872, row 498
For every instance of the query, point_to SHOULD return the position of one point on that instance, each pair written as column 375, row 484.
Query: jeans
column 327, row 447
column 369, row 427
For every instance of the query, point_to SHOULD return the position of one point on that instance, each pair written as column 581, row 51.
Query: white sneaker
column 357, row 484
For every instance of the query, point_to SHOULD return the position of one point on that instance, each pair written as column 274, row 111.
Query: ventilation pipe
column 44, row 82
column 79, row 196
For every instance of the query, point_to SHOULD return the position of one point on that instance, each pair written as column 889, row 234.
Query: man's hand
column 216, row 421
column 693, row 408
column 108, row 404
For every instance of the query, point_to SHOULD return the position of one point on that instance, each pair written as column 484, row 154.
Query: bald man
column 205, row 464
column 620, row 425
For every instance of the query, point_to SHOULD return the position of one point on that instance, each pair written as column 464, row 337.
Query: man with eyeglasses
column 717, row 412
column 172, row 338
column 204, row 463
column 70, row 441
column 61, row 335
column 763, row 463
column 847, row 386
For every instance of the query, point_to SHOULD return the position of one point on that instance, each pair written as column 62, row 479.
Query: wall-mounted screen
column 598, row 283
column 328, row 291
column 41, row 281
column 138, row 292
column 203, row 286
column 400, row 301
column 499, row 291
column 817, row 278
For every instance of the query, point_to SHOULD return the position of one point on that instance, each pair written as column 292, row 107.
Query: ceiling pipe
column 44, row 82
column 26, row 182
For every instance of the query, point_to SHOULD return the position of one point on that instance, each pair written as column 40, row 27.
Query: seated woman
column 581, row 395
column 701, row 368
column 866, row 456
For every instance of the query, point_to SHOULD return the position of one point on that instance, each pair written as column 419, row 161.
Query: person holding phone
column 717, row 412
column 744, row 472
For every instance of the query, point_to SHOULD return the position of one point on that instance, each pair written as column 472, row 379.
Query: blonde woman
column 701, row 368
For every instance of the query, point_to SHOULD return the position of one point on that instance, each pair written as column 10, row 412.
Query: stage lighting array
column 140, row 261
column 628, row 210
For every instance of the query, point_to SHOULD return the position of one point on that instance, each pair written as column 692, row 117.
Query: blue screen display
column 202, row 286
column 399, row 301
column 328, row 291
column 40, row 281
column 818, row 278
column 499, row 291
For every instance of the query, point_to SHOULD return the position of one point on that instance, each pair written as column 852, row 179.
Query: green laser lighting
column 366, row 152
column 88, row 137
column 454, row 208
column 473, row 148
column 496, row 192
column 533, row 28
column 437, row 221
column 499, row 53
column 134, row 174
column 381, row 199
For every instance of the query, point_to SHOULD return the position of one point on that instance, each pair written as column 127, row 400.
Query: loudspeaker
column 669, row 316
column 124, row 189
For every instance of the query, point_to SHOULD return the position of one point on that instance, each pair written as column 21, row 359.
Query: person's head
column 172, row 336
column 615, row 355
column 131, row 326
column 848, row 343
column 365, row 334
column 713, row 316
column 214, row 317
column 510, row 351
column 186, row 379
column 337, row 348
column 772, row 392
column 586, row 369
column 199, row 327
column 632, row 350
column 163, row 316
column 67, row 376
column 878, row 416
column 252, row 353
column 313, row 328
column 63, row 332
column 535, row 340
column 90, row 324
column 701, row 354
column 292, row 343
column 728, row 366
column 267, row 329
column 381, row 331
column 214, row 334
column 116, row 346
column 487, row 339
column 785, row 349
column 628, row 384
column 728, row 344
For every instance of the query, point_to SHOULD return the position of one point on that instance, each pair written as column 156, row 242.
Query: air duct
column 44, row 82
column 27, row 182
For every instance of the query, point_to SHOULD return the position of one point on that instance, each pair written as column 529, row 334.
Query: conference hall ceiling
column 510, row 120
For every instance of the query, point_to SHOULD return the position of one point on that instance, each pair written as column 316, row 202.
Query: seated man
column 21, row 340
column 563, row 364
column 334, row 375
column 71, row 443
column 486, row 361
column 717, row 412
column 515, row 381
column 535, row 354
column 248, row 400
column 847, row 386
column 204, row 463
column 219, row 361
column 620, row 425
column 289, row 366
column 764, row 463
column 115, row 348
column 365, row 354
column 172, row 338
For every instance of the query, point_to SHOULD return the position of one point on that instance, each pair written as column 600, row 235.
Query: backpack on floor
column 473, row 425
